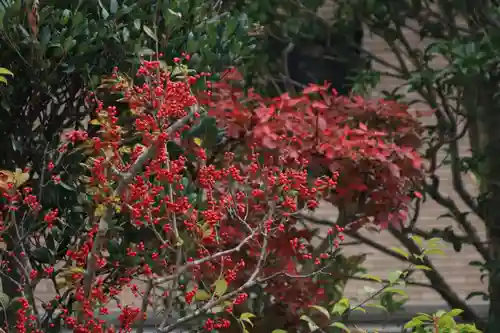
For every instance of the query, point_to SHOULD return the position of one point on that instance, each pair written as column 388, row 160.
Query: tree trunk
column 486, row 148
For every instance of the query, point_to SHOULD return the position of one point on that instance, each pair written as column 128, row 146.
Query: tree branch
column 438, row 283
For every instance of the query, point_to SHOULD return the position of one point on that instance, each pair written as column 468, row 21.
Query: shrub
column 191, row 224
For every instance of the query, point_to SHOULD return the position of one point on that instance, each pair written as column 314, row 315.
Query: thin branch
column 144, row 306
column 458, row 216
column 356, row 235
column 438, row 283
column 252, row 280
column 198, row 262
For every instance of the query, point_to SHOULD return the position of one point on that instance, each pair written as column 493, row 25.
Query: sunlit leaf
column 220, row 287
column 370, row 277
column 201, row 295
column 246, row 316
column 341, row 306
column 321, row 309
column 394, row 276
column 423, row 267
column 312, row 325
column 401, row 252
column 150, row 32
column 340, row 325
column 21, row 177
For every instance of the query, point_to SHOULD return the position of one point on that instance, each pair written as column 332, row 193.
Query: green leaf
column 174, row 13
column 413, row 323
column 150, row 32
column 321, row 309
column 446, row 321
column 113, row 6
column 359, row 309
column 4, row 300
column 378, row 306
column 340, row 325
column 312, row 325
column 418, row 240
column 3, row 79
column 396, row 291
column 42, row 255
column 400, row 251
column 434, row 251
column 104, row 12
column 423, row 267
column 246, row 316
column 220, row 287
column 5, row 71
column 455, row 312
column 202, row 295
column 394, row 276
column 370, row 277
column 341, row 306
column 279, row 331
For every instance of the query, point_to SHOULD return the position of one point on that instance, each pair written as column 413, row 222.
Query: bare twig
column 144, row 306
column 251, row 281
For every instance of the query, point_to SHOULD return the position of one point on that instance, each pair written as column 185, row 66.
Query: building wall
column 454, row 266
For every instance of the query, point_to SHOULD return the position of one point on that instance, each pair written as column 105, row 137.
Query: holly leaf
column 321, row 309
column 202, row 295
column 220, row 287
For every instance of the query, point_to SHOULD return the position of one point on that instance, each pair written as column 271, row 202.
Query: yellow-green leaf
column 21, row 177
column 341, row 306
column 394, row 276
column 340, row 325
column 5, row 71
column 100, row 210
column 279, row 331
column 434, row 251
column 455, row 312
column 359, row 309
column 246, row 316
column 396, row 291
column 220, row 287
column 378, row 306
column 321, row 309
column 400, row 251
column 76, row 270
column 125, row 150
column 418, row 240
column 312, row 325
column 423, row 267
column 198, row 141
column 371, row 277
column 3, row 79
column 201, row 295
column 95, row 122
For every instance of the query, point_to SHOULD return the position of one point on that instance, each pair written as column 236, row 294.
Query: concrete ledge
column 371, row 320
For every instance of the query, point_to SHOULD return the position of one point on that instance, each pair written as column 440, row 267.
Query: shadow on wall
column 335, row 59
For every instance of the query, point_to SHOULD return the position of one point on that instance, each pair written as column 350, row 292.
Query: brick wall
column 454, row 266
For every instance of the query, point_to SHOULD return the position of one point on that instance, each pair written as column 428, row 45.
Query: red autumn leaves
column 371, row 144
